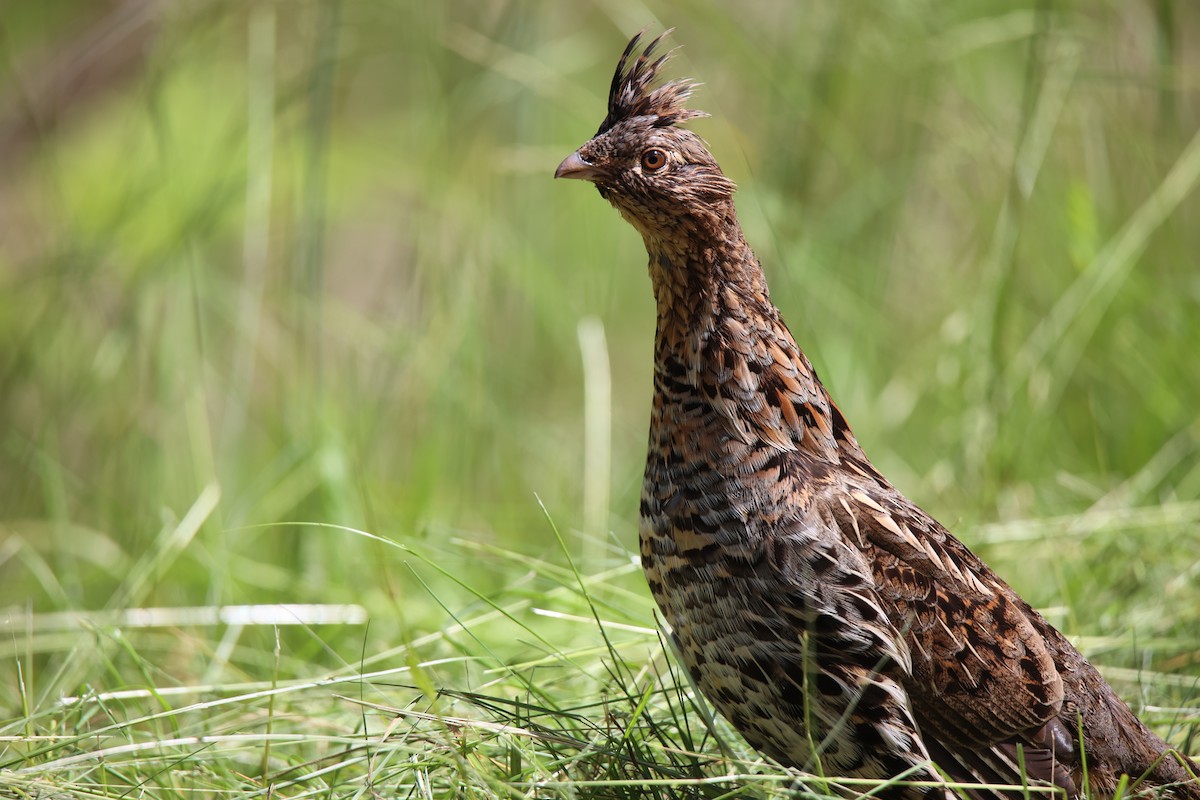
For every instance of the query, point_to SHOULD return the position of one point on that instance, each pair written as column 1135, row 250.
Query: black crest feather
column 631, row 95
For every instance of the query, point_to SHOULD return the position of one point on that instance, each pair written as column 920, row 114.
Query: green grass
column 290, row 312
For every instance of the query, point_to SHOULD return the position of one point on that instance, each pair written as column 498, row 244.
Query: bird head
column 654, row 172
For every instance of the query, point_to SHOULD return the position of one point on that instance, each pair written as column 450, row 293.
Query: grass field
column 291, row 312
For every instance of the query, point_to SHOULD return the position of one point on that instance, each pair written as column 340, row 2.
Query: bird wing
column 983, row 678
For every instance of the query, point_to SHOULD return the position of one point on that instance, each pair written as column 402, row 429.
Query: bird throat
column 693, row 274
column 689, row 267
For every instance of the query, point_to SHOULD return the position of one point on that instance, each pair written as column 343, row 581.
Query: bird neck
column 716, row 322
column 702, row 256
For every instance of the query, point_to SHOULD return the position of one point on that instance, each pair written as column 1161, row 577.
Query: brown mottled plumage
column 839, row 627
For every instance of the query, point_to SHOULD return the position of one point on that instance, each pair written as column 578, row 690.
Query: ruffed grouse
column 838, row 626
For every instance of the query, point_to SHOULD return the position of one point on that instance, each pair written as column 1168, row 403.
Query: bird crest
column 631, row 94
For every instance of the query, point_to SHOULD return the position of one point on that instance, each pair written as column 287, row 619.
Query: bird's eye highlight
column 653, row 160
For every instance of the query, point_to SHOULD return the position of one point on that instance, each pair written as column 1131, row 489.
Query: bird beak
column 573, row 166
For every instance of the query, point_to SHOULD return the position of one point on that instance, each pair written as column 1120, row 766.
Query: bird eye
column 653, row 160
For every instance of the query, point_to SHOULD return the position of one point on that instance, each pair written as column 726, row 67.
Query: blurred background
column 272, row 271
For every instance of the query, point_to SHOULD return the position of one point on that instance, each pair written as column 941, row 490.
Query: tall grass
column 291, row 312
